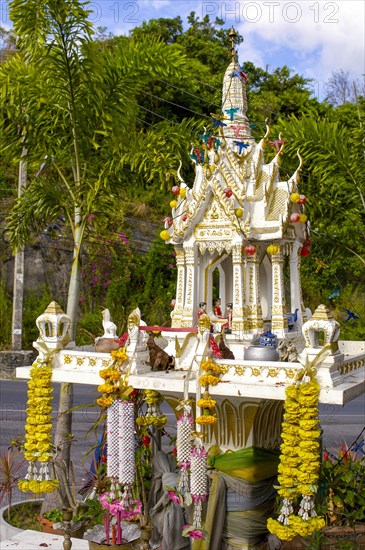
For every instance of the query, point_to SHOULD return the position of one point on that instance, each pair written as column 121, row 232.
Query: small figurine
column 292, row 354
column 202, row 309
column 226, row 353
column 283, row 350
column 108, row 342
column 217, row 308
column 229, row 315
column 159, row 359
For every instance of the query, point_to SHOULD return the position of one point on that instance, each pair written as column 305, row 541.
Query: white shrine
column 237, row 218
column 237, row 208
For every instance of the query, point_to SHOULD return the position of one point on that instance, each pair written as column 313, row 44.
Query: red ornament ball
column 228, row 192
column 302, row 199
column 294, row 218
column 168, row 221
column 305, row 251
column 175, row 190
column 307, row 242
column 250, row 249
column 184, row 217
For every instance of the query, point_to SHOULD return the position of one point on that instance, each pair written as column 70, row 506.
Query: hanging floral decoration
column 38, row 428
column 207, row 403
column 115, row 380
column 120, row 466
column 198, row 488
column 300, row 457
column 184, row 445
column 153, row 416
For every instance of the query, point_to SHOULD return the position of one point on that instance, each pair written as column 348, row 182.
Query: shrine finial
column 232, row 35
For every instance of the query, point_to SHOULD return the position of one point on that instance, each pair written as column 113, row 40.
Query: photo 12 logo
column 119, row 12
column 254, row 12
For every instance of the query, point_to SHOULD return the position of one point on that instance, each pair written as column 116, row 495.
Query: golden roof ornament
column 323, row 313
column 232, row 35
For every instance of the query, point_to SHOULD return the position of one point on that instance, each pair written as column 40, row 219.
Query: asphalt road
column 339, row 424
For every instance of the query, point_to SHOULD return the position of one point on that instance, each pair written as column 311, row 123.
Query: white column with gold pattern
column 238, row 291
column 254, row 321
column 279, row 321
column 176, row 315
column 190, row 300
column 296, row 298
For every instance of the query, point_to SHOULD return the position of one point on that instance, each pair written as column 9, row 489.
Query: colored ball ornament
column 250, row 249
column 303, row 218
column 183, row 192
column 294, row 197
column 165, row 235
column 184, row 217
column 228, row 192
column 294, row 217
column 305, row 251
column 239, row 212
column 173, row 204
column 273, row 249
column 175, row 190
column 307, row 242
column 302, row 199
column 168, row 221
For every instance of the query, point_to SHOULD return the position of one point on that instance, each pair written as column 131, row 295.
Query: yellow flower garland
column 207, row 403
column 116, row 384
column 38, row 431
column 299, row 462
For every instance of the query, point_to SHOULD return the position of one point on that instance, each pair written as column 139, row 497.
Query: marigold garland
column 38, row 428
column 299, row 462
column 116, row 381
column 207, row 403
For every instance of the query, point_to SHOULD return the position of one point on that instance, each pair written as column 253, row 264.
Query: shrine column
column 190, row 299
column 177, row 312
column 254, row 321
column 279, row 321
column 238, row 297
column 296, row 298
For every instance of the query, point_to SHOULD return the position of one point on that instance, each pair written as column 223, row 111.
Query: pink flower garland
column 115, row 506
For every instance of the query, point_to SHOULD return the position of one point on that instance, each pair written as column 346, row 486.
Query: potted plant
column 14, row 516
column 341, row 500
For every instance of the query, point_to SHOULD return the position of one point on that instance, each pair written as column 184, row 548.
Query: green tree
column 72, row 105
column 334, row 183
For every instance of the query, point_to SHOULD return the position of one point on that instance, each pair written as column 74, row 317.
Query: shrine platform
column 340, row 383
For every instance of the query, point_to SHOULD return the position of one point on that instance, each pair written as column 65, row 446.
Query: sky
column 314, row 38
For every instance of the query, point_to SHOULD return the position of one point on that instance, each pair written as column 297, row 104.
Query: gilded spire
column 232, row 35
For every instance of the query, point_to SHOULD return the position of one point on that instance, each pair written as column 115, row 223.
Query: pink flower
column 81, row 299
column 171, row 266
column 173, row 496
column 115, row 506
column 189, row 531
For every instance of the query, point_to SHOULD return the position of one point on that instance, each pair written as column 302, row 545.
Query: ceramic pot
column 261, row 353
column 6, row 529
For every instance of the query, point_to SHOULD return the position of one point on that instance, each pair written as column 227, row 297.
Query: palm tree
column 72, row 105
column 334, row 157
